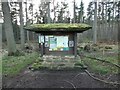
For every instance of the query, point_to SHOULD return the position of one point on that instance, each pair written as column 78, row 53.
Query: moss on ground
column 57, row 64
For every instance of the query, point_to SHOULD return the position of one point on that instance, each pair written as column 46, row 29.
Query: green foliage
column 37, row 65
column 12, row 65
column 80, row 65
column 61, row 64
column 19, row 53
column 90, row 11
column 108, row 47
column 61, row 12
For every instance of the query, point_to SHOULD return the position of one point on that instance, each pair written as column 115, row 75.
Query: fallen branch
column 103, row 61
column 99, row 60
column 113, row 83
column 71, row 84
column 77, row 75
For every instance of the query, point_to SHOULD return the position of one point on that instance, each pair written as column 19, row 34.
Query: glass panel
column 58, row 43
column 53, row 43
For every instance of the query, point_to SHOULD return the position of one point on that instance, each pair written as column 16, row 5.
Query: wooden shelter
column 59, row 38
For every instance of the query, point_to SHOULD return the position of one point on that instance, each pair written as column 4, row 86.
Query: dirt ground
column 53, row 79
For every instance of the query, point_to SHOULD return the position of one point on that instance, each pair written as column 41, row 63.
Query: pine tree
column 81, row 12
column 90, row 12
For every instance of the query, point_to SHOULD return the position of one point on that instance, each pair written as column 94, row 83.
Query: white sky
column 36, row 4
column 70, row 5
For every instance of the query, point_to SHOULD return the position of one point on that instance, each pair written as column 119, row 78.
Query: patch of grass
column 100, row 67
column 12, row 65
column 0, row 64
column 79, row 65
column 110, row 55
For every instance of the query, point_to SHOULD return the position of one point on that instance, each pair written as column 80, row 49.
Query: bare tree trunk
column 119, row 28
column 74, row 16
column 48, row 10
column 21, row 27
column 98, row 26
column 81, row 17
column 0, row 55
column 113, row 24
column 54, row 11
column 32, row 23
column 28, row 39
column 102, row 25
column 8, row 28
column 106, row 26
column 0, row 48
column 0, row 35
column 95, row 25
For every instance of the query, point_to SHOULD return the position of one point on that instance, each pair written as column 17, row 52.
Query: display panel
column 58, row 43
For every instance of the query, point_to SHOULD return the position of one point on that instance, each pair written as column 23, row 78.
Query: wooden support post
column 42, row 45
column 75, row 44
column 41, row 48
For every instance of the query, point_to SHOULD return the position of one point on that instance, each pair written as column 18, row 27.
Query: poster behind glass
column 58, row 43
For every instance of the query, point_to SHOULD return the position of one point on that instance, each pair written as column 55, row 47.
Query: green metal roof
column 58, row 27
